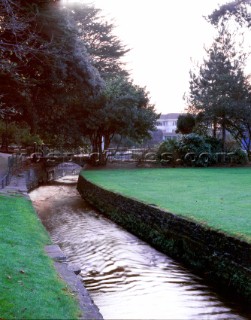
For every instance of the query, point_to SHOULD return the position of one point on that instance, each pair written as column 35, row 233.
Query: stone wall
column 224, row 260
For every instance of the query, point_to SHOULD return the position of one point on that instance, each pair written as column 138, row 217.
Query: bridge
column 58, row 165
column 62, row 169
column 54, row 159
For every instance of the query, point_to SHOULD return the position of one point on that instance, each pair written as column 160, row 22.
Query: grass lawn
column 29, row 285
column 217, row 197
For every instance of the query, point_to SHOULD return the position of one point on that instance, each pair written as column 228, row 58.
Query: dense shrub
column 192, row 149
column 215, row 144
column 168, row 151
column 193, row 143
column 240, row 156
column 18, row 134
column 196, row 150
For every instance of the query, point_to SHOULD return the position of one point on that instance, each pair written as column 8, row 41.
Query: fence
column 15, row 162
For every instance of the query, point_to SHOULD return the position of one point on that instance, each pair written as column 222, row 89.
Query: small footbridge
column 54, row 159
column 62, row 169
column 58, row 165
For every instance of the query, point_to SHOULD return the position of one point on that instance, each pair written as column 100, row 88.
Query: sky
column 166, row 38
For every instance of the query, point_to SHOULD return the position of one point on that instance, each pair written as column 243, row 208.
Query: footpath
column 18, row 186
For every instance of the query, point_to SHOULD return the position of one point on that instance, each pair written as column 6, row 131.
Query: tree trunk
column 107, row 141
column 214, row 127
column 98, row 157
column 223, row 135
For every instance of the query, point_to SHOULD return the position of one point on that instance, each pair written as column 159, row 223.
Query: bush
column 185, row 123
column 168, row 152
column 192, row 149
column 18, row 134
column 215, row 144
column 196, row 150
column 193, row 143
column 240, row 156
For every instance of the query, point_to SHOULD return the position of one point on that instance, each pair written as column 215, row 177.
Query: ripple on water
column 126, row 278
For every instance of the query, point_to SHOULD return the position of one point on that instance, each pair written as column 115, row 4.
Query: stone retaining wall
column 224, row 260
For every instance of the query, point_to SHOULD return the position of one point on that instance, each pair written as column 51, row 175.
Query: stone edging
column 224, row 260
column 21, row 184
column 69, row 275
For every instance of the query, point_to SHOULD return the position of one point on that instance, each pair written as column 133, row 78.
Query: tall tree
column 72, row 78
column 237, row 14
column 220, row 86
column 54, row 72
column 125, row 110
column 104, row 47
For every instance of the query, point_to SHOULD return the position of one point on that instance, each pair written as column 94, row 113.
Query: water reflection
column 126, row 278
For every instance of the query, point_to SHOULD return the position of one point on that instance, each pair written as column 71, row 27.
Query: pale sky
column 163, row 35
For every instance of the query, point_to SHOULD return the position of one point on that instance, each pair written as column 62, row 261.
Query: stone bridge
column 58, row 165
column 54, row 160
column 60, row 170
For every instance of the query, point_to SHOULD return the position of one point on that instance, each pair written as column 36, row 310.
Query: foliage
column 188, row 149
column 235, row 15
column 185, row 123
column 198, row 150
column 18, row 134
column 215, row 143
column 193, row 143
column 192, row 149
column 104, row 48
column 54, row 77
column 123, row 110
column 235, row 10
column 169, row 146
column 220, row 90
column 240, row 156
column 59, row 93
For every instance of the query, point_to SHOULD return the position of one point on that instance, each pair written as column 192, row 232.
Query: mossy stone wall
column 222, row 259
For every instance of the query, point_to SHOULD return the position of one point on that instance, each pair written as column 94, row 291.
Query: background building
column 167, row 123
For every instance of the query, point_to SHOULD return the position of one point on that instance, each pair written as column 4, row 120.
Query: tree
column 16, row 133
column 185, row 123
column 236, row 10
column 123, row 110
column 237, row 13
column 54, row 71
column 219, row 89
column 58, row 92
column 20, row 40
column 104, row 48
column 73, row 79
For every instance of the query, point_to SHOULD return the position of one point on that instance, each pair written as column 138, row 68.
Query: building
column 167, row 123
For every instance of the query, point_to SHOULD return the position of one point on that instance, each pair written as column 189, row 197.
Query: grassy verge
column 217, row 197
column 29, row 285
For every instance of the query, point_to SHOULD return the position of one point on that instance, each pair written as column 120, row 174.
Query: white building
column 167, row 123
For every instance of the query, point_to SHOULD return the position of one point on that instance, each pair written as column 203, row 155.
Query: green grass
column 29, row 285
column 217, row 197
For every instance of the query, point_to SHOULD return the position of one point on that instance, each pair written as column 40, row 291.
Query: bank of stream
column 126, row 278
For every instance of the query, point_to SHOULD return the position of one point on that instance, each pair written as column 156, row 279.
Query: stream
column 126, row 278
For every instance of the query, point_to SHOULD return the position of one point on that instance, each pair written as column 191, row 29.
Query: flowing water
column 126, row 278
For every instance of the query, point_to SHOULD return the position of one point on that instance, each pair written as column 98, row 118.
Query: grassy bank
column 217, row 197
column 29, row 285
